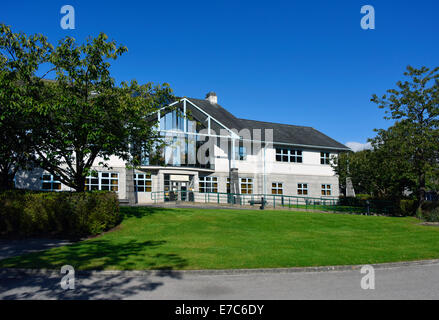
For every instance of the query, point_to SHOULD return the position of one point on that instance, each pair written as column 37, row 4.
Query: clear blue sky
column 298, row 62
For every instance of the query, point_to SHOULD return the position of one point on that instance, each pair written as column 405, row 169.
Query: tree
column 20, row 90
column 413, row 141
column 370, row 172
column 88, row 117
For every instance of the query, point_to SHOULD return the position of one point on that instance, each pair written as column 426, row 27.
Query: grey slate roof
column 282, row 133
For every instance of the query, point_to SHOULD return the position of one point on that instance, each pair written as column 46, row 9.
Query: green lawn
column 156, row 238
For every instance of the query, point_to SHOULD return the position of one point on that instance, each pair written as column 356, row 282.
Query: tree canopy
column 79, row 118
column 405, row 157
column 20, row 91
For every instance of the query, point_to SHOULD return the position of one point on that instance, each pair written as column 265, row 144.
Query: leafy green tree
column 413, row 141
column 20, row 89
column 88, row 118
column 378, row 172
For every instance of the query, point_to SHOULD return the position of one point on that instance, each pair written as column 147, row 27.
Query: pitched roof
column 298, row 135
column 282, row 133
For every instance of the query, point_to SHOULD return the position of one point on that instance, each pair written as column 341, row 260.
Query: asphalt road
column 407, row 282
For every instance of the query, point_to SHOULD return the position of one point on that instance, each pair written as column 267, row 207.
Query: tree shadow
column 90, row 255
column 104, row 286
column 99, row 254
column 139, row 212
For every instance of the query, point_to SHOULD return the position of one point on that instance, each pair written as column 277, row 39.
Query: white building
column 198, row 165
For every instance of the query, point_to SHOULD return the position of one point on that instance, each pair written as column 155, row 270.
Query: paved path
column 408, row 282
column 10, row 248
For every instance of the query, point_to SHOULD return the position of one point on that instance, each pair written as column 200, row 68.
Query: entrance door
column 180, row 190
column 183, row 191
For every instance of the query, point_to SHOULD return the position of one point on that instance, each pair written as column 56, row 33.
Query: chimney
column 212, row 98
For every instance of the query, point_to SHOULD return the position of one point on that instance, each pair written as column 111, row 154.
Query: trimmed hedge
column 57, row 214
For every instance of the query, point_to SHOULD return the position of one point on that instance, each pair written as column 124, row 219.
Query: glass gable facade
column 181, row 148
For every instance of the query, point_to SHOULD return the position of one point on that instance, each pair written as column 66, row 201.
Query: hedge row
column 57, row 214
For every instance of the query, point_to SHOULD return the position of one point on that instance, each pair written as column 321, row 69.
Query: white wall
column 255, row 163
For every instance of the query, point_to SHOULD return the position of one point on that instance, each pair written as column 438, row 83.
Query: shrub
column 363, row 196
column 375, row 205
column 430, row 211
column 407, row 207
column 61, row 214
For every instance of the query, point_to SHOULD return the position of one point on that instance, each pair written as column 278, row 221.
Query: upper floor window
column 208, row 184
column 102, row 181
column 302, row 189
column 325, row 158
column 246, row 185
column 289, row 155
column 326, row 189
column 50, row 182
column 241, row 153
column 142, row 182
column 276, row 188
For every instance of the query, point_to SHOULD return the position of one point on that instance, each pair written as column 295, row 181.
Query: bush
column 430, row 211
column 375, row 205
column 407, row 207
column 60, row 214
column 363, row 196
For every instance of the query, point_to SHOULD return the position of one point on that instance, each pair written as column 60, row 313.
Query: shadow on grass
column 139, row 212
column 101, row 254
column 90, row 255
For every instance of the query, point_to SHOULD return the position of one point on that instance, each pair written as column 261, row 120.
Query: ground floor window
column 246, row 185
column 208, row 184
column 102, row 181
column 50, row 182
column 277, row 188
column 326, row 189
column 142, row 182
column 302, row 189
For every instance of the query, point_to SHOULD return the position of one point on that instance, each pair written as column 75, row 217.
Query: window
column 102, row 181
column 246, row 185
column 50, row 182
column 276, row 188
column 326, row 189
column 208, row 184
column 289, row 155
column 324, row 157
column 302, row 189
column 142, row 182
column 240, row 153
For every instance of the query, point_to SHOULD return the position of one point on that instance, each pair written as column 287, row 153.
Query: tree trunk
column 421, row 191
column 6, row 181
column 79, row 182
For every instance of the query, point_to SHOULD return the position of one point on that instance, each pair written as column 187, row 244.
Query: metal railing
column 331, row 204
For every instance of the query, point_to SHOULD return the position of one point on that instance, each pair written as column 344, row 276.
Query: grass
column 159, row 238
column 329, row 208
